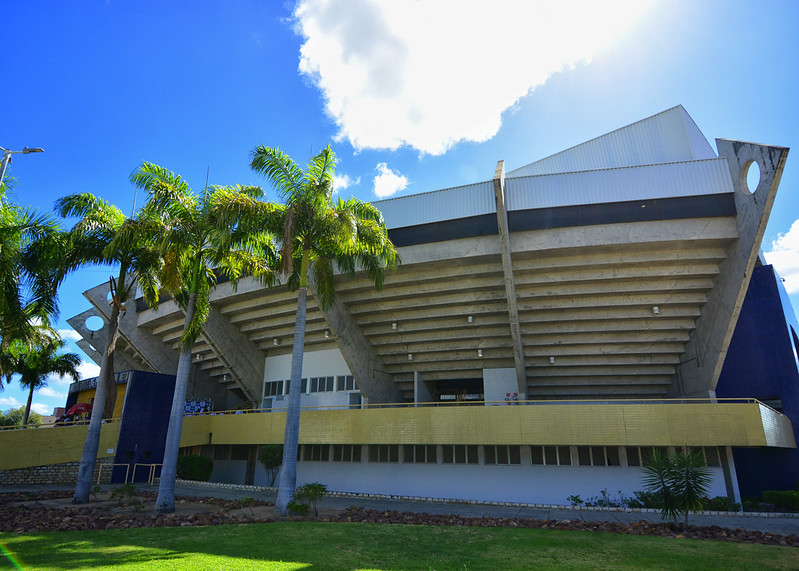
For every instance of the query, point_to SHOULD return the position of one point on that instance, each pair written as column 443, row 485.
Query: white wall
column 315, row 364
column 525, row 483
column 499, row 382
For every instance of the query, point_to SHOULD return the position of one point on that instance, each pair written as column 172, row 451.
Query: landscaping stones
column 52, row 511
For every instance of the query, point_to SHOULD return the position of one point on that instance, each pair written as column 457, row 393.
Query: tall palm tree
column 196, row 245
column 35, row 363
column 104, row 235
column 316, row 232
column 30, row 248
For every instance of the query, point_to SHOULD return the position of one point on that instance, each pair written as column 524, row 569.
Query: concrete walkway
column 783, row 524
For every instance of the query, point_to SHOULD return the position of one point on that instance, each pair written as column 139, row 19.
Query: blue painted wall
column 145, row 417
column 762, row 363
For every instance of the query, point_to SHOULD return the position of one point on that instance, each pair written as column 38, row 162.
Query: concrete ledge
column 478, row 502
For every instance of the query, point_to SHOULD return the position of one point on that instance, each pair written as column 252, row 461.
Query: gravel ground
column 782, row 524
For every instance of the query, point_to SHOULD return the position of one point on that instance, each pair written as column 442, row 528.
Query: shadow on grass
column 301, row 545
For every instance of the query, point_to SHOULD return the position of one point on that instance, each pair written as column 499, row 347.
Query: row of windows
column 492, row 454
column 312, row 385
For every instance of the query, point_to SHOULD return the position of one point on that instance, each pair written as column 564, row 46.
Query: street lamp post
column 7, row 158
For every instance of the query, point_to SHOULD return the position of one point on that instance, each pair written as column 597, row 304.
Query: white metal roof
column 663, row 156
column 448, row 204
column 668, row 137
column 618, row 185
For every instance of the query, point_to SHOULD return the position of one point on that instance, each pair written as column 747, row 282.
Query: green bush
column 271, row 457
column 309, row 495
column 680, row 482
column 722, row 504
column 298, row 508
column 783, row 500
column 194, row 467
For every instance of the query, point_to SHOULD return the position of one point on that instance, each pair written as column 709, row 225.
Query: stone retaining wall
column 52, row 474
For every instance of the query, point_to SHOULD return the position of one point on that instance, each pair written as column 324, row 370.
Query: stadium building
column 546, row 329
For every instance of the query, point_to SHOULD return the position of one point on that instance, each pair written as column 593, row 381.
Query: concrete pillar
column 705, row 352
column 510, row 287
column 375, row 383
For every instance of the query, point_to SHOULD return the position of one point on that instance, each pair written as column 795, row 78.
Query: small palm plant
column 679, row 481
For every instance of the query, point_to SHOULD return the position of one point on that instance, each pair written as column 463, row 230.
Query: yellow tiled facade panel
column 730, row 424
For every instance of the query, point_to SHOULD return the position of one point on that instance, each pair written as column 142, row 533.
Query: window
column 273, row 388
column 503, row 454
column 315, row 452
column 420, row 454
column 239, row 452
column 637, row 455
column 222, row 452
column 459, row 454
column 346, row 383
column 346, row 453
column 598, row 456
column 712, row 457
column 551, row 455
column 321, row 384
column 383, row 453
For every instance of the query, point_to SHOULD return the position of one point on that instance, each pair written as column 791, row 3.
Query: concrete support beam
column 241, row 357
column 375, row 383
column 510, row 287
column 87, row 344
column 705, row 352
column 151, row 351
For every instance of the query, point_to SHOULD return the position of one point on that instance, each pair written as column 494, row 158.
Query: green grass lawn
column 301, row 545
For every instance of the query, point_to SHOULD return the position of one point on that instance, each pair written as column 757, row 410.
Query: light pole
column 7, row 158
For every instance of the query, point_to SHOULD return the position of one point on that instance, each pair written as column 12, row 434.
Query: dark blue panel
column 145, row 418
column 762, row 363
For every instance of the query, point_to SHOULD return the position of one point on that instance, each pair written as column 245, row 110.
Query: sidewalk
column 783, row 524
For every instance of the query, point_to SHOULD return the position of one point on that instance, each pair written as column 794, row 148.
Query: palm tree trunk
column 28, row 406
column 88, row 458
column 165, row 503
column 288, row 470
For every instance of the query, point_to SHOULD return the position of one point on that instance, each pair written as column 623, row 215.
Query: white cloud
column 784, row 256
column 343, row 182
column 430, row 74
column 69, row 335
column 10, row 402
column 88, row 369
column 42, row 409
column 388, row 182
column 52, row 393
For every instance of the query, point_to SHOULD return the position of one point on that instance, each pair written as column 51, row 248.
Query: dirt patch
column 54, row 511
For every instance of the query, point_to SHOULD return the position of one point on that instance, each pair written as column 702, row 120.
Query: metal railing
column 151, row 476
column 456, row 403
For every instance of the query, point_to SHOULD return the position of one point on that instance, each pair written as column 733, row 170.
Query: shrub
column 680, row 482
column 644, row 499
column 309, row 494
column 298, row 508
column 271, row 457
column 194, row 467
column 721, row 504
column 783, row 500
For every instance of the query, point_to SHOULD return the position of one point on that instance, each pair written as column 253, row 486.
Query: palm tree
column 104, row 235
column 315, row 233
column 195, row 246
column 30, row 248
column 35, row 363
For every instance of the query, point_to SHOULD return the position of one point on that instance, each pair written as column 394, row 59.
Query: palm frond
column 279, row 169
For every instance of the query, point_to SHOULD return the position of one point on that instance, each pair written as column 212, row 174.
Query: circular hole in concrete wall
column 752, row 176
column 94, row 323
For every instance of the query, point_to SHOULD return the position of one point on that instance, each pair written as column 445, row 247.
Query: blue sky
column 414, row 96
